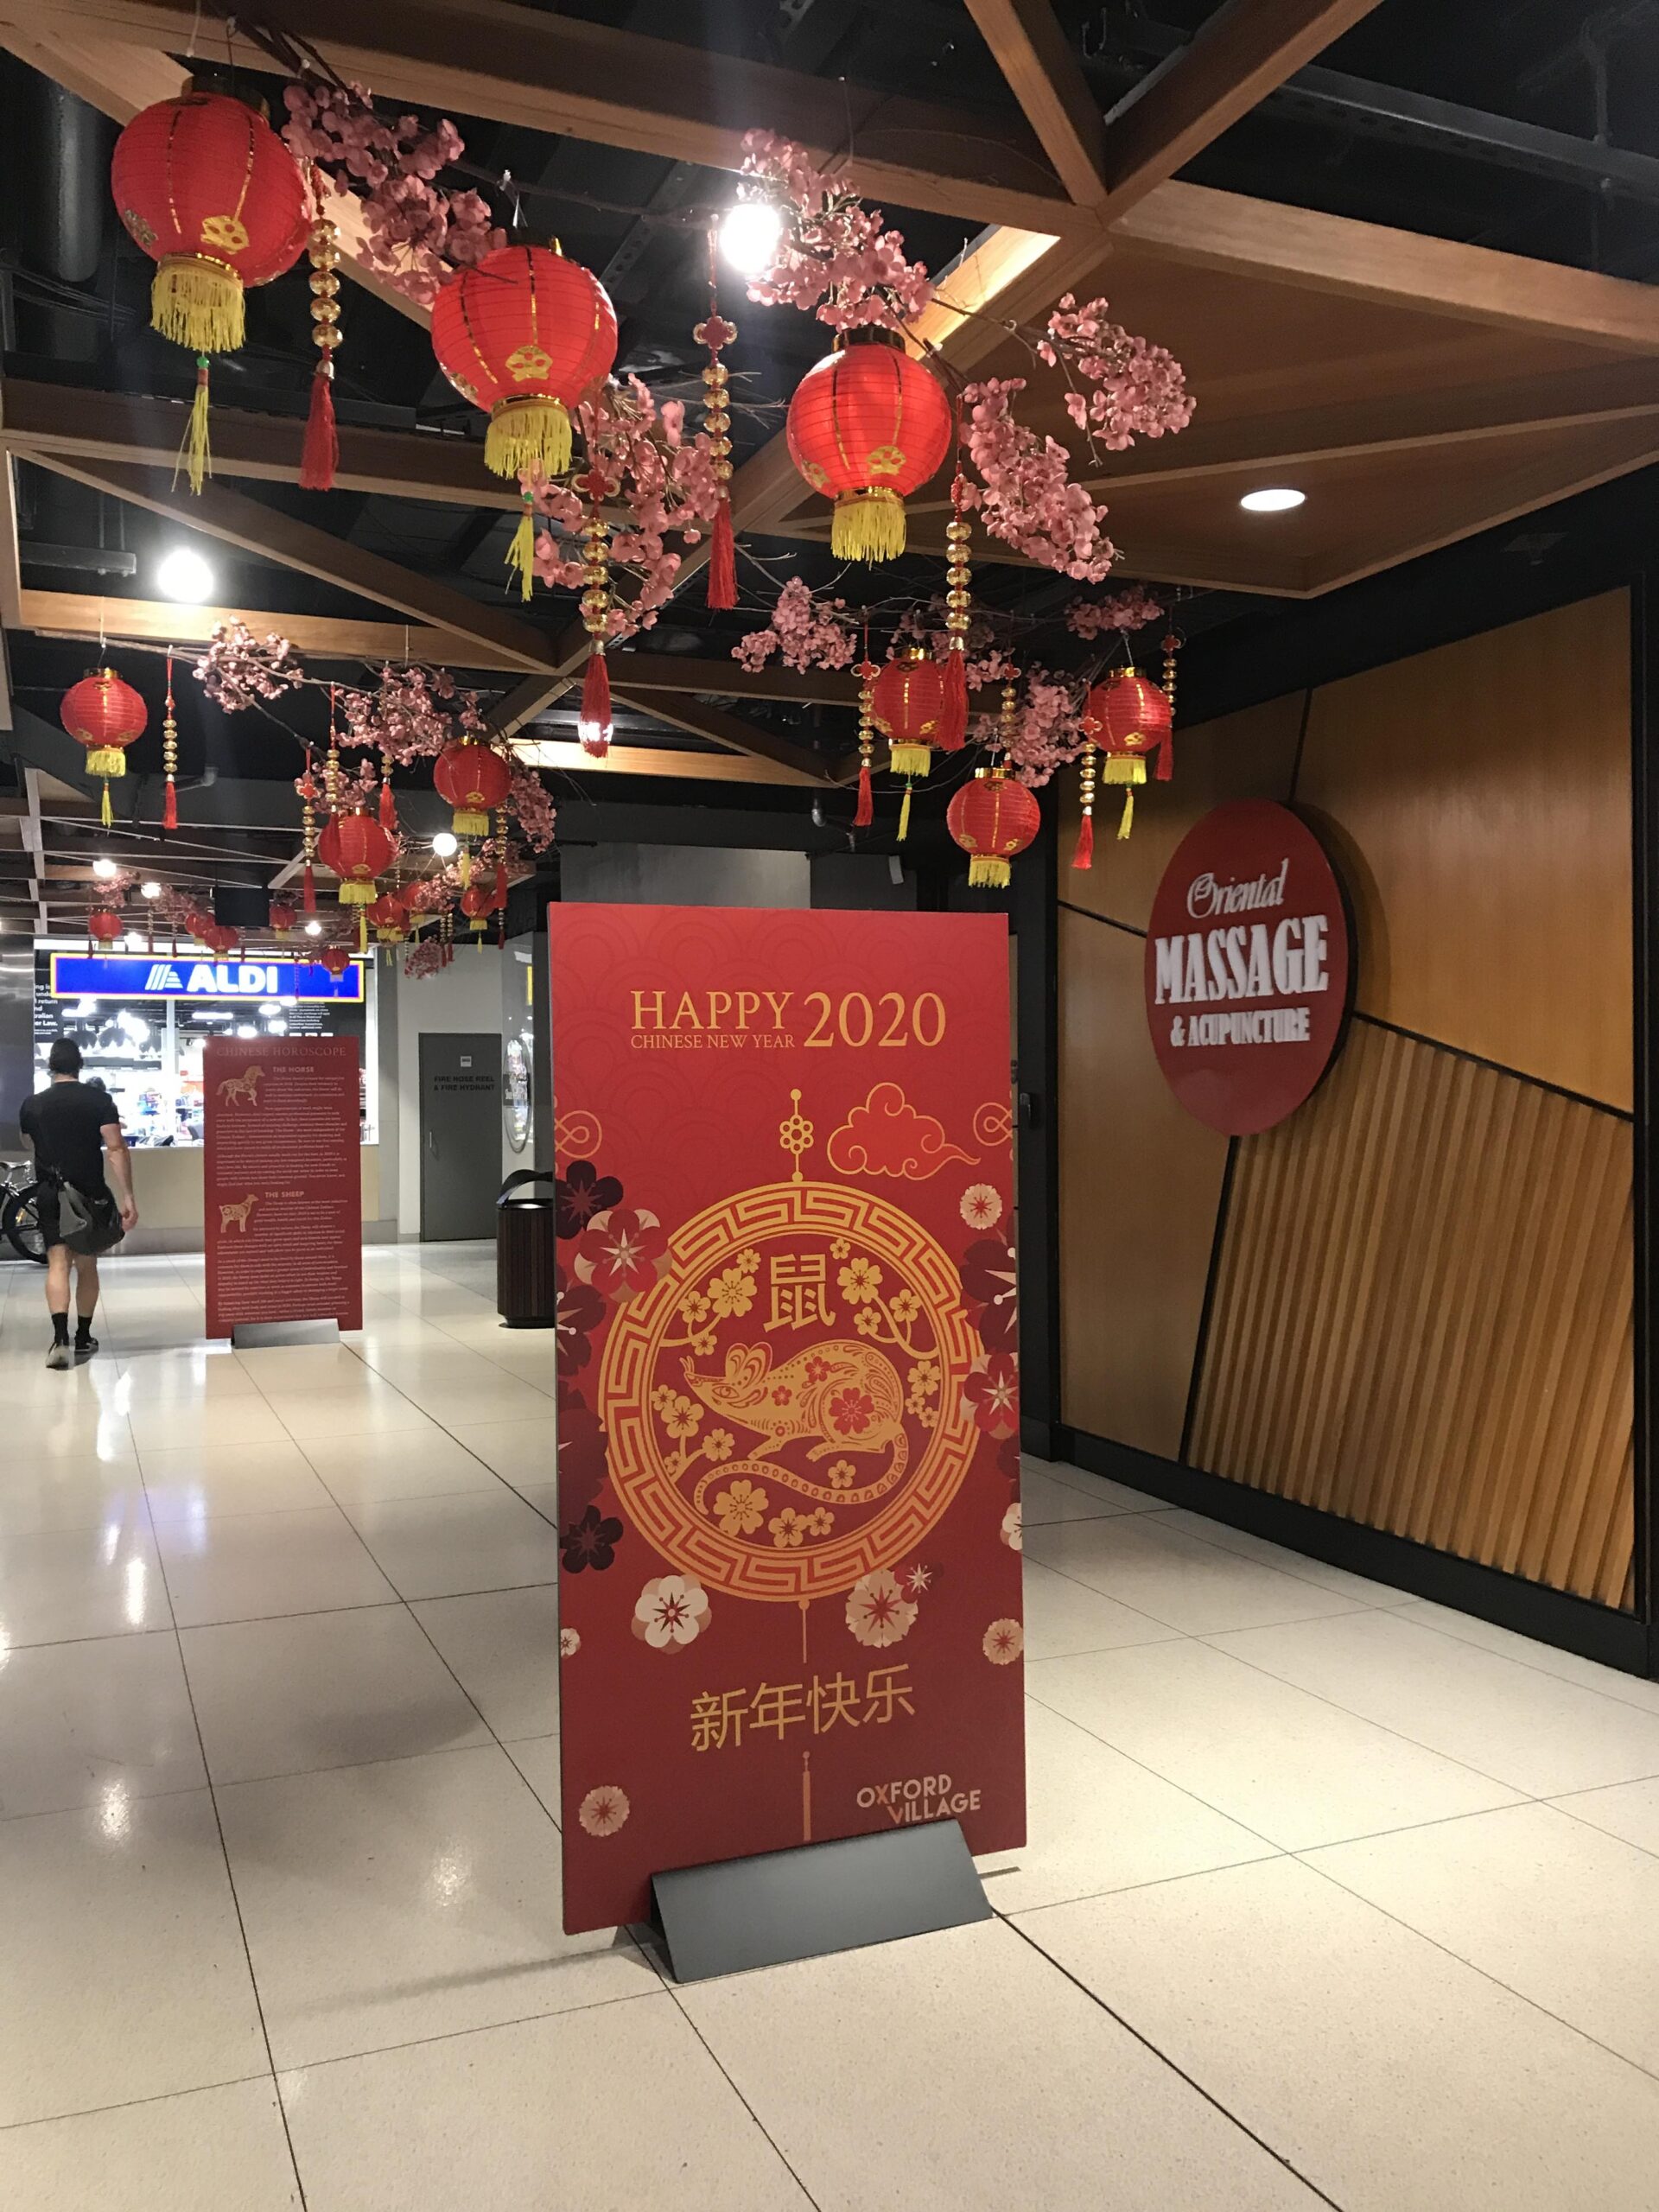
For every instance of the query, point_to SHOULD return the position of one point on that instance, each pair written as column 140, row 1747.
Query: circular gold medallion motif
column 783, row 1405
column 228, row 232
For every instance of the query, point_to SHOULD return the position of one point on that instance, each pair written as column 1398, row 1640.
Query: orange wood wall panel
column 1477, row 799
column 1247, row 756
column 1422, row 1317
column 1139, row 1183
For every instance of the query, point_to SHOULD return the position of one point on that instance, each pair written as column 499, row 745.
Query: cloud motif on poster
column 886, row 1135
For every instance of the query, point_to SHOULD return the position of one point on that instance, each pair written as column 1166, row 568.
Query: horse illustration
column 238, row 1213
column 845, row 1396
column 245, row 1085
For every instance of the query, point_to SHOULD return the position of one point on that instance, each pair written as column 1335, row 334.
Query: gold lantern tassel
column 195, row 458
column 868, row 526
column 521, row 553
column 904, row 813
column 1084, row 855
column 1119, row 768
column 720, row 590
column 865, row 811
column 528, row 437
column 197, row 302
column 169, row 754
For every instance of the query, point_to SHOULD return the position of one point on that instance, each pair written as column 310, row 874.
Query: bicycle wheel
column 21, row 1222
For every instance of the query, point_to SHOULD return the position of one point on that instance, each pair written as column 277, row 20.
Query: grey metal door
column 460, row 1135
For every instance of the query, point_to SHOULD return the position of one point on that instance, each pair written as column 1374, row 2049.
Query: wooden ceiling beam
column 1201, row 228
column 1029, row 47
column 698, row 718
column 146, row 432
column 270, row 535
column 1244, row 51
column 11, row 581
column 1571, row 464
column 120, row 77
column 555, row 72
column 657, row 760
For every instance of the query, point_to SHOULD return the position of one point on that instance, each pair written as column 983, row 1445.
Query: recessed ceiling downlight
column 1275, row 500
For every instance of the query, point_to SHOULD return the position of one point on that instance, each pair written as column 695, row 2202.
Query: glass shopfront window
column 142, row 1028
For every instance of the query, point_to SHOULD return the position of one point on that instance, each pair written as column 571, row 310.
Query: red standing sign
column 1246, row 967
column 790, row 1601
column 282, row 1196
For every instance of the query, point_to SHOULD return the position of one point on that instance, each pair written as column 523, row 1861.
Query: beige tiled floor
column 1331, row 1898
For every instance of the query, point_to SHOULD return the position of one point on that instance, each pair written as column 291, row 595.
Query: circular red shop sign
column 1246, row 967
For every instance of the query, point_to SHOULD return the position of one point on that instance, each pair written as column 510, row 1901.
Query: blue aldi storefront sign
column 145, row 976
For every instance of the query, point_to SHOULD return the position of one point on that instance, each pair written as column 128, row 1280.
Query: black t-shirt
column 64, row 1122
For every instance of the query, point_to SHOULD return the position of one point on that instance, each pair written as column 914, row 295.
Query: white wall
column 465, row 996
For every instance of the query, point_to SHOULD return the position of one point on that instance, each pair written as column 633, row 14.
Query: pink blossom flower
column 809, row 633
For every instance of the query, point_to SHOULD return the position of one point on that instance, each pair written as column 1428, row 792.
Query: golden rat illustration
column 786, row 1404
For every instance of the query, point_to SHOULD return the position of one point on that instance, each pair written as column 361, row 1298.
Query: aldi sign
column 147, row 975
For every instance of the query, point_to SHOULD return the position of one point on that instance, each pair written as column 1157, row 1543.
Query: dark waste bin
column 526, row 1295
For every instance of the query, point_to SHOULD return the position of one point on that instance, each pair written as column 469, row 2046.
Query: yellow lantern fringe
column 521, row 554
column 354, row 893
column 910, row 759
column 467, row 824
column 107, row 761
column 197, row 302
column 989, row 872
column 868, row 526
column 527, row 436
column 1117, row 768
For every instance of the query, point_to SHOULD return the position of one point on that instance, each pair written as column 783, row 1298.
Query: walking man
column 74, row 1127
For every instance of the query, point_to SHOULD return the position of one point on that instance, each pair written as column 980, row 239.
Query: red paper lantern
column 476, row 902
column 526, row 334
column 283, row 917
column 389, row 918
column 106, row 716
column 336, row 959
column 362, row 850
column 474, row 779
column 992, row 818
column 328, row 845
column 215, row 198
column 197, row 921
column 907, row 707
column 1129, row 715
column 218, row 939
column 866, row 426
column 105, row 926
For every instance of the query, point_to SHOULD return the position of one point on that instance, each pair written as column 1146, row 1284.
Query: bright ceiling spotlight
column 1275, row 500
column 103, row 866
column 185, row 576
column 134, row 941
column 314, row 929
column 749, row 235
column 151, row 890
column 446, row 844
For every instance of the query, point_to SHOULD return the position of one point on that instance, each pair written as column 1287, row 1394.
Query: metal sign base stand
column 247, row 1335
column 817, row 1899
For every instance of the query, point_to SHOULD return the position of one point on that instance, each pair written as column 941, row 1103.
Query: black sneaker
column 60, row 1356
column 85, row 1347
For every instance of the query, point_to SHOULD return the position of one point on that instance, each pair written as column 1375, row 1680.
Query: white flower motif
column 602, row 1811
column 878, row 1611
column 1013, row 1529
column 569, row 1643
column 1003, row 1642
column 671, row 1611
column 982, row 1206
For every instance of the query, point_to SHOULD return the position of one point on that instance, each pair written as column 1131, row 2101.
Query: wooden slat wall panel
column 1477, row 801
column 1422, row 1317
column 1251, row 754
column 1140, row 1184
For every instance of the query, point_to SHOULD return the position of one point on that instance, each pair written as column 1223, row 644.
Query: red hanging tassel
column 594, row 726
column 388, row 808
column 308, row 897
column 1084, row 855
column 953, row 715
column 722, row 562
column 1166, row 756
column 865, row 813
column 499, row 893
column 170, row 807
column 320, row 455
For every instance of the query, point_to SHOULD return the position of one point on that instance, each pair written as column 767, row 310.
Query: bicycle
column 19, row 1218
